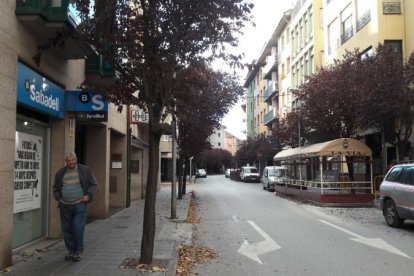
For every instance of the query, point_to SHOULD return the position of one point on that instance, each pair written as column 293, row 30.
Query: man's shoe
column 77, row 257
column 69, row 257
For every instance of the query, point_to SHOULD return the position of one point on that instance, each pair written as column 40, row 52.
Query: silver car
column 397, row 195
column 271, row 176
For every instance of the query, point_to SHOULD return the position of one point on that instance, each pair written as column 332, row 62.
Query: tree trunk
column 147, row 242
column 180, row 180
column 184, row 176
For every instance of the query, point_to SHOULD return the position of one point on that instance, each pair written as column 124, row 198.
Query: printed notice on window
column 27, row 172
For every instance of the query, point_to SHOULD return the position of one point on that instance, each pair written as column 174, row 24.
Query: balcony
column 270, row 117
column 270, row 91
column 347, row 34
column 364, row 20
column 99, row 71
column 391, row 8
column 271, row 66
column 51, row 22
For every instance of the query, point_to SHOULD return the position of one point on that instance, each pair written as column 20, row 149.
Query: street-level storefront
column 39, row 100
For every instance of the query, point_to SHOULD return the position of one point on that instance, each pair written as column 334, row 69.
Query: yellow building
column 306, row 41
column 363, row 24
column 231, row 143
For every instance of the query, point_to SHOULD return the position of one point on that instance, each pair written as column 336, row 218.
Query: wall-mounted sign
column 27, row 172
column 37, row 92
column 139, row 116
column 88, row 106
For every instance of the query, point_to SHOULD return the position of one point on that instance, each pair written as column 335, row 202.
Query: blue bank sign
column 88, row 106
column 36, row 91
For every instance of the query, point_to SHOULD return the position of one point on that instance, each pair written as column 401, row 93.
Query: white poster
column 27, row 172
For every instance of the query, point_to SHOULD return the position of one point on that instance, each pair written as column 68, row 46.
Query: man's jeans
column 73, row 219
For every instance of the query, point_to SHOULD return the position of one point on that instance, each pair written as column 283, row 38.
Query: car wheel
column 264, row 187
column 391, row 214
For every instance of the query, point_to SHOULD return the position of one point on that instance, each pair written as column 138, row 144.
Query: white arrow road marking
column 253, row 251
column 374, row 242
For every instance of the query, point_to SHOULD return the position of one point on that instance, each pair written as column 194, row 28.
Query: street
column 258, row 233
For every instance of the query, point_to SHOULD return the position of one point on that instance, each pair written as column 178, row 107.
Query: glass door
column 31, row 181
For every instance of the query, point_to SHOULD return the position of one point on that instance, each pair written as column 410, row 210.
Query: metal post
column 174, row 176
column 128, row 157
column 191, row 167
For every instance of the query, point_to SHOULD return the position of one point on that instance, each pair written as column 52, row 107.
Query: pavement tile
column 108, row 242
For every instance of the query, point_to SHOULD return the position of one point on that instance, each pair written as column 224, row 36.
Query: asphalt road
column 258, row 233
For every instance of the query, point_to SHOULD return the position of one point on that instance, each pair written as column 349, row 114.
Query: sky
column 266, row 15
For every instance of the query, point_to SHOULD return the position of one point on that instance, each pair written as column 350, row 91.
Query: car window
column 253, row 170
column 394, row 174
column 280, row 173
column 407, row 176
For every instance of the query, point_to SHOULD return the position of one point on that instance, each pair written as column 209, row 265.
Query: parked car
column 397, row 195
column 201, row 173
column 227, row 173
column 249, row 174
column 271, row 176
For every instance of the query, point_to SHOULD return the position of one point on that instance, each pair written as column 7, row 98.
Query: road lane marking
column 253, row 251
column 374, row 242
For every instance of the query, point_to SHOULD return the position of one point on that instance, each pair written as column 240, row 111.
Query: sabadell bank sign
column 37, row 92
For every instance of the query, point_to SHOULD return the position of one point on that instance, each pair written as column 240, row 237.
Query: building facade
column 217, row 139
column 315, row 33
column 43, row 116
column 231, row 143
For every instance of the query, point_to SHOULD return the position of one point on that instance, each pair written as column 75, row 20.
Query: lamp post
column 174, row 167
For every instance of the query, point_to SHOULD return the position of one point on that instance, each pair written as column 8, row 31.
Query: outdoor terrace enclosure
column 332, row 173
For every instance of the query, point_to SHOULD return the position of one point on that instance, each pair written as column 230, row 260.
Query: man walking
column 74, row 187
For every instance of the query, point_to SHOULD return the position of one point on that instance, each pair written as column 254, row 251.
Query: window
column 310, row 22
column 396, row 45
column 333, row 35
column 287, row 35
column 218, row 134
column 367, row 53
column 311, row 62
column 347, row 28
column 407, row 176
column 288, row 65
column 394, row 174
column 300, row 36
column 219, row 144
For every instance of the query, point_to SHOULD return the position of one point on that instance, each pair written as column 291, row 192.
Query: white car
column 201, row 173
column 397, row 195
column 272, row 175
column 249, row 174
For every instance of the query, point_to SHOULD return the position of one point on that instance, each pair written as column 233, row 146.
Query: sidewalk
column 109, row 242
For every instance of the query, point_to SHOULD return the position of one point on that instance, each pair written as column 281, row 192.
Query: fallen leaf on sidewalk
column 192, row 216
column 149, row 268
column 190, row 256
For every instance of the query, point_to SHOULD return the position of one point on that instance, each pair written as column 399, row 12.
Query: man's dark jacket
column 86, row 177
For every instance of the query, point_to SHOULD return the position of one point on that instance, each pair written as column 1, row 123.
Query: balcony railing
column 271, row 90
column 47, row 20
column 51, row 11
column 270, row 117
column 391, row 7
column 347, row 34
column 364, row 20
